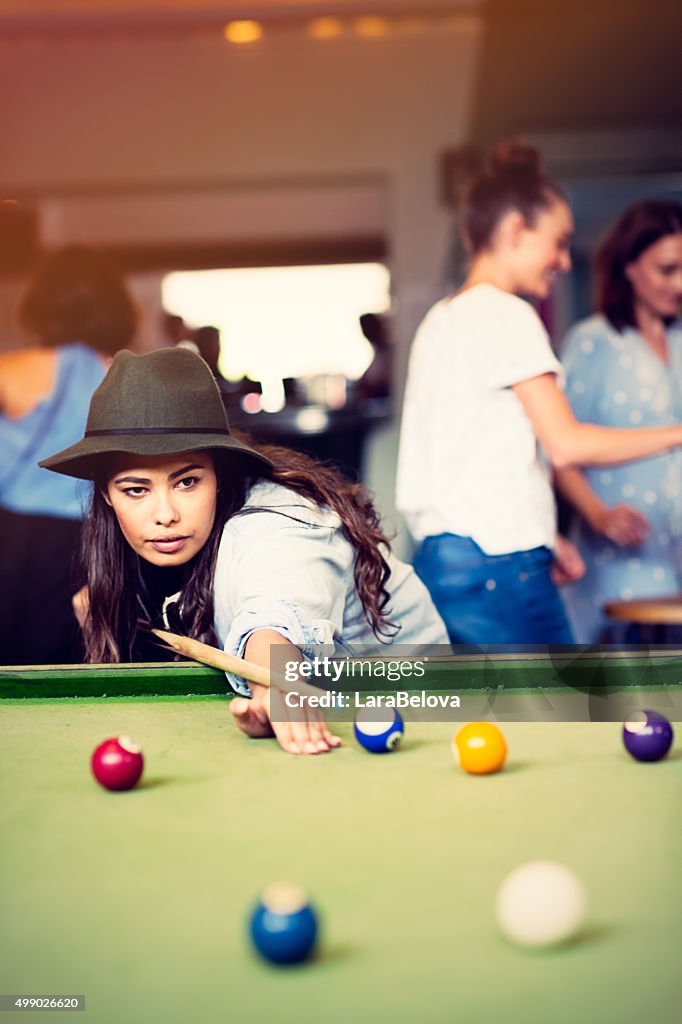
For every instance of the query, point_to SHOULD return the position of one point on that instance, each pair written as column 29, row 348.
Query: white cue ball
column 540, row 903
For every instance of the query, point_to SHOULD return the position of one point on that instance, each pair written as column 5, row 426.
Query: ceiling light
column 243, row 31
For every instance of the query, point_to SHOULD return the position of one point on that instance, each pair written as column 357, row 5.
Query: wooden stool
column 658, row 612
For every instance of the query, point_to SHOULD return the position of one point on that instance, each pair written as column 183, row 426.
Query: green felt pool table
column 139, row 900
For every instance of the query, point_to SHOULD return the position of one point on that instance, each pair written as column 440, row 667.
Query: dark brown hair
column 77, row 295
column 512, row 180
column 112, row 568
column 641, row 226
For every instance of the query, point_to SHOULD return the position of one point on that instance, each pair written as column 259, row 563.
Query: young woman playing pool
column 483, row 403
column 195, row 531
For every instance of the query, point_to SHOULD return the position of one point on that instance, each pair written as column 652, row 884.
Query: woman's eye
column 187, row 482
column 135, row 492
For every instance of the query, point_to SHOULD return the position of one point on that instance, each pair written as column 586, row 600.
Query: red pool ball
column 117, row 763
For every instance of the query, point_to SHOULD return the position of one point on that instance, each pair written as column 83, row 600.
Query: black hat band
column 157, row 430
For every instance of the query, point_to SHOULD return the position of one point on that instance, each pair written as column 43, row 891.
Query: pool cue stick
column 216, row 658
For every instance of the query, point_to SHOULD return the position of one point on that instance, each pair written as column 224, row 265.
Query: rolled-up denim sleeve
column 273, row 573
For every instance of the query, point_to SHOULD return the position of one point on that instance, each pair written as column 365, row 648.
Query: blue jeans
column 492, row 599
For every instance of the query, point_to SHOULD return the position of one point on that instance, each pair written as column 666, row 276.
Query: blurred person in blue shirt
column 78, row 313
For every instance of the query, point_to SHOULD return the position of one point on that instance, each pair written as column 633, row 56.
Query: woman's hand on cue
column 300, row 730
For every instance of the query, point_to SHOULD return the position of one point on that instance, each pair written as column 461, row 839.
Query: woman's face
column 165, row 504
column 656, row 278
column 543, row 249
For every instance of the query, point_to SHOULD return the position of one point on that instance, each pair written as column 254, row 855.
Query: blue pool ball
column 378, row 730
column 647, row 735
column 283, row 925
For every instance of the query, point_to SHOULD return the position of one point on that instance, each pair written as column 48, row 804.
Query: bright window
column 278, row 322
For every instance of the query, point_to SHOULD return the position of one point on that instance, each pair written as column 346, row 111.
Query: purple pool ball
column 647, row 735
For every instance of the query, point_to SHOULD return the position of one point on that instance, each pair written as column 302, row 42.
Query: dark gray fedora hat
column 162, row 403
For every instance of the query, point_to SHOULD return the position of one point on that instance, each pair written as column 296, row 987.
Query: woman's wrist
column 596, row 515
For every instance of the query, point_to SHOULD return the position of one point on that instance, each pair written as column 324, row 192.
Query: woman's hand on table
column 299, row 730
column 305, row 732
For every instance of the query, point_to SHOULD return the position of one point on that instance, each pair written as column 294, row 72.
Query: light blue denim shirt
column 288, row 567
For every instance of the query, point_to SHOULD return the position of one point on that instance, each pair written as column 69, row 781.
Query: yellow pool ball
column 480, row 748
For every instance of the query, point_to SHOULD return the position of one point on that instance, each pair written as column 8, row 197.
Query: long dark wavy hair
column 113, row 572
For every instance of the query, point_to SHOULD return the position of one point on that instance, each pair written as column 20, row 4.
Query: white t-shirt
column 469, row 460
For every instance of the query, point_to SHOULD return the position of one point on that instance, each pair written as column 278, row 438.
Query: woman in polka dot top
column 485, row 419
column 624, row 369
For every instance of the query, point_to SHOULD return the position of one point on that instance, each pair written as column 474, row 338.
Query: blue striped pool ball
column 647, row 735
column 283, row 925
column 378, row 730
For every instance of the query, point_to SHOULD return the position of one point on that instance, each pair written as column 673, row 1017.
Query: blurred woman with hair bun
column 485, row 420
